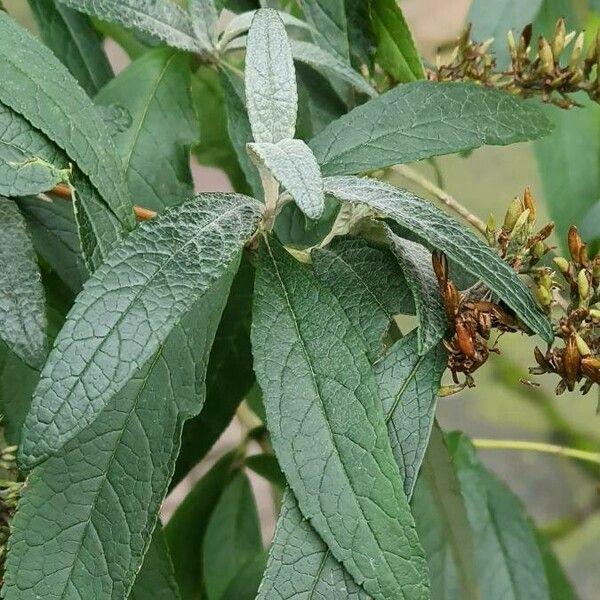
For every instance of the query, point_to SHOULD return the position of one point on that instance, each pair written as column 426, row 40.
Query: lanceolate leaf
column 36, row 85
column 324, row 417
column 416, row 264
column 22, row 309
column 509, row 564
column 558, row 583
column 408, row 384
column 423, row 119
column 232, row 537
column 192, row 515
column 204, row 17
column 271, row 94
column 443, row 528
column 29, row 162
column 229, row 376
column 160, row 18
column 247, row 580
column 298, row 560
column 266, row 466
column 75, row 42
column 81, row 531
column 155, row 91
column 293, row 164
column 396, row 51
column 156, row 578
column 330, row 25
column 368, row 282
column 432, row 225
column 128, row 308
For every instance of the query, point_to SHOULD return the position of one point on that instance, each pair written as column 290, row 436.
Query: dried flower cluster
column 9, row 494
column 541, row 73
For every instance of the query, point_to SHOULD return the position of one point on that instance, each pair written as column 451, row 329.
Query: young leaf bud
column 582, row 346
column 515, row 210
column 576, row 52
column 595, row 314
column 583, row 284
column 562, row 264
column 559, row 39
column 543, row 295
column 512, row 45
column 546, row 57
column 590, row 367
column 490, row 230
column 538, row 250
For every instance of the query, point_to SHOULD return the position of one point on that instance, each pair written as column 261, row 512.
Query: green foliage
column 310, row 310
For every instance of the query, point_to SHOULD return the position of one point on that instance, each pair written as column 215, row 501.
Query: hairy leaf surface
column 204, row 17
column 271, row 94
column 423, row 119
column 39, row 87
column 434, row 226
column 127, row 309
column 368, row 283
column 160, row 18
column 75, row 42
column 324, row 417
column 293, row 164
column 155, row 91
column 22, row 304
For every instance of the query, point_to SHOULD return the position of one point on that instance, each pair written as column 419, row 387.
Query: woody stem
column 441, row 195
column 526, row 446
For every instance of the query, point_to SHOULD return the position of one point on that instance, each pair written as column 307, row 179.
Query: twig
column 440, row 194
column 63, row 191
column 538, row 447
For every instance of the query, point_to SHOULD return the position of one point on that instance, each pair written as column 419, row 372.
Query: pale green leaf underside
column 22, row 304
column 509, row 564
column 160, row 18
column 368, row 283
column 36, row 85
column 85, row 519
column 418, row 270
column 432, row 225
column 293, row 164
column 324, row 418
column 271, row 94
column 127, row 309
column 155, row 91
column 443, row 527
column 423, row 119
column 408, row 384
column 72, row 38
column 300, row 566
column 29, row 162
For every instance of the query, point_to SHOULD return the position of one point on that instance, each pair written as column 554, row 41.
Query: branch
column 538, row 447
column 63, row 191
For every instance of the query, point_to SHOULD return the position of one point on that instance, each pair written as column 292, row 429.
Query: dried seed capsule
column 464, row 339
column 512, row 45
column 529, row 203
column 575, row 243
column 540, row 358
column 583, row 284
column 564, row 266
column 559, row 39
column 514, row 211
column 590, row 367
column 576, row 52
column 582, row 346
column 572, row 361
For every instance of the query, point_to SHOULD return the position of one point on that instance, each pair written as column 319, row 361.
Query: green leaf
column 408, row 384
column 37, row 86
column 330, row 26
column 238, row 126
column 29, row 162
column 267, row 466
column 297, row 561
column 368, row 283
column 509, row 564
column 330, row 65
column 443, row 527
column 569, row 165
column 155, row 90
column 73, row 39
column 160, row 18
column 82, row 531
column 495, row 19
column 396, row 51
column 54, row 233
column 214, row 147
column 229, row 377
column 271, row 94
column 293, row 164
column 192, row 515
column 156, row 578
column 204, row 17
column 324, row 418
column 247, row 580
column 423, row 119
column 22, row 306
column 589, row 227
column 422, row 282
column 232, row 537
column 430, row 224
column 128, row 308
column 558, row 583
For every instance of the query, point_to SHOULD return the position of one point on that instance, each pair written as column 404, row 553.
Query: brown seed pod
column 575, row 243
column 590, row 367
column 572, row 362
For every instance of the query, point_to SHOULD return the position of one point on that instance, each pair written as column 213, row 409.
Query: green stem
column 526, row 446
